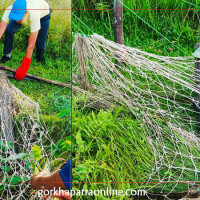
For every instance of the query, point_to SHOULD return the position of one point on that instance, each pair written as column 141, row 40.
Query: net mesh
column 21, row 133
column 161, row 91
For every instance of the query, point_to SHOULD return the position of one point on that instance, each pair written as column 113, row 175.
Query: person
column 61, row 179
column 37, row 15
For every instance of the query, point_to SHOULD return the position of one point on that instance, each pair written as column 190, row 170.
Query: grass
column 180, row 27
column 110, row 147
column 103, row 141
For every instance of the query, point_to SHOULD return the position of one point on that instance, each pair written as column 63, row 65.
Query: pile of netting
column 161, row 91
column 25, row 146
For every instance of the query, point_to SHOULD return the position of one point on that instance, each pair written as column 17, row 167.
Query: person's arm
column 22, row 70
column 39, row 182
column 4, row 21
column 31, row 44
column 3, row 26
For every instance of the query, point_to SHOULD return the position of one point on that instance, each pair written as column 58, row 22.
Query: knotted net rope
column 161, row 91
column 22, row 132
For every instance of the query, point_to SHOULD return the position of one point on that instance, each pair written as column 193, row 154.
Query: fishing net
column 24, row 142
column 161, row 91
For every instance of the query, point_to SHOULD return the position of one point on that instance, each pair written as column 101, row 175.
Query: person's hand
column 61, row 196
column 22, row 70
column 36, row 179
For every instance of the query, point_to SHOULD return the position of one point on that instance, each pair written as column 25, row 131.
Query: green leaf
column 3, row 184
column 20, row 155
column 79, row 141
column 85, row 186
column 10, row 145
column 69, row 138
column 57, row 153
column 64, row 144
column 28, row 165
column 15, row 180
column 168, row 173
column 25, row 179
column 37, row 152
column 6, row 169
column 2, row 187
column 5, row 145
column 15, row 157
column 64, row 113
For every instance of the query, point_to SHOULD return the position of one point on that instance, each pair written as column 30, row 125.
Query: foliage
column 8, row 180
column 109, row 146
column 181, row 27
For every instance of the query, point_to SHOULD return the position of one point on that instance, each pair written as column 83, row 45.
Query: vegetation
column 181, row 27
column 109, row 146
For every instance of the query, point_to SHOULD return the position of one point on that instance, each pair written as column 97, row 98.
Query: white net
column 24, row 142
column 159, row 90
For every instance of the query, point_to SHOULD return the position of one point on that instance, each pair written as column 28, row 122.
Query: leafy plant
column 7, row 179
column 109, row 146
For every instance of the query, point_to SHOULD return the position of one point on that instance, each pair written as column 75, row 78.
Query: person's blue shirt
column 66, row 174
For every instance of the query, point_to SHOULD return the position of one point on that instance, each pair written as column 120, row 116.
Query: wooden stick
column 39, row 78
column 118, row 22
column 93, row 100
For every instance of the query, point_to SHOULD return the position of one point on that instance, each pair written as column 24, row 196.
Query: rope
column 83, row 23
column 77, row 28
column 190, row 3
column 160, row 92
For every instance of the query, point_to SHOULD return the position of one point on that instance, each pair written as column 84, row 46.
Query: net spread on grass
column 159, row 90
column 24, row 142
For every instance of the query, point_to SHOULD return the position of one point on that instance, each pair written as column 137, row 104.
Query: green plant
column 108, row 146
column 178, row 26
column 7, row 175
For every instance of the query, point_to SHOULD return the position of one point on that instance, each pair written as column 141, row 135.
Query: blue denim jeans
column 13, row 27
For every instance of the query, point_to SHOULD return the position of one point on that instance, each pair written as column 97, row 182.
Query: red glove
column 22, row 70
